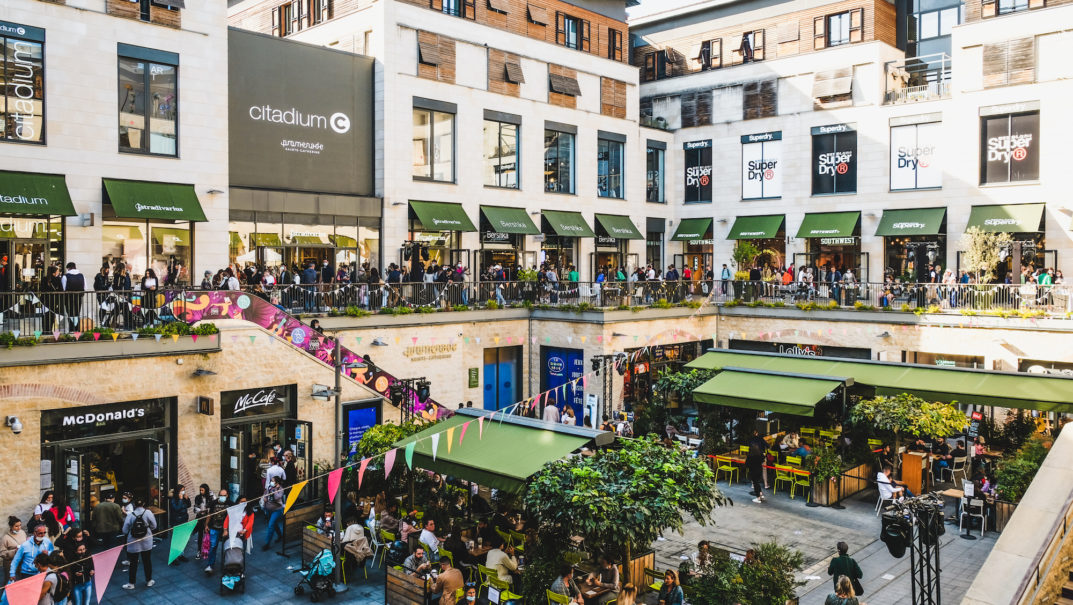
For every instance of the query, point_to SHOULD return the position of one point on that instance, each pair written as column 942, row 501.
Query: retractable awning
column 512, row 448
column 170, row 236
column 765, row 391
column 509, row 220
column 343, row 241
column 618, row 227
column 33, row 193
column 692, row 228
column 442, row 216
column 271, row 240
column 1009, row 218
column 911, row 221
column 829, row 224
column 568, row 224
column 307, row 240
column 146, row 200
column 756, row 227
column 1044, row 392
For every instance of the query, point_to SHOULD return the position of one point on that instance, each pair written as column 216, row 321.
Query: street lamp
column 340, row 586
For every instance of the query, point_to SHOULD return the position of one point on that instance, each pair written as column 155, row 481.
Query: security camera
column 14, row 423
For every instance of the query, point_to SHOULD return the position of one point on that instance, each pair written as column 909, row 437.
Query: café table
column 592, row 594
column 953, row 494
column 479, row 551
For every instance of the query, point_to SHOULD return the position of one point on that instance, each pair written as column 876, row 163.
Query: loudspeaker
column 895, row 533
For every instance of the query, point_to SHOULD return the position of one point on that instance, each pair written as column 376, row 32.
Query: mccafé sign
column 255, row 402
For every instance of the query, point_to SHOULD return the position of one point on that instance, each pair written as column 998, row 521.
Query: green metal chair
column 784, row 474
column 802, row 480
column 725, row 464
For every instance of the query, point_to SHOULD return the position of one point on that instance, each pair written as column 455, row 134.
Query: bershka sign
column 1011, row 148
column 107, row 419
column 256, row 402
column 24, row 90
column 913, row 157
column 761, row 170
column 834, row 150
column 698, row 171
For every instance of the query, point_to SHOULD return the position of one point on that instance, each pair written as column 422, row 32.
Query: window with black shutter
column 650, row 67
column 614, row 45
column 571, row 32
column 759, row 99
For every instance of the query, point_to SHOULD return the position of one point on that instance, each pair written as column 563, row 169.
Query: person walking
column 202, row 503
column 215, row 523
column 81, row 573
column 74, row 282
column 11, row 541
column 22, row 563
column 272, row 503
column 754, row 461
column 107, row 520
column 179, row 511
column 843, row 594
column 843, row 566
column 138, row 528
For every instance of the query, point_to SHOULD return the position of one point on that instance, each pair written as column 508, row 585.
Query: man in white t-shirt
column 428, row 537
column 551, row 413
column 888, row 487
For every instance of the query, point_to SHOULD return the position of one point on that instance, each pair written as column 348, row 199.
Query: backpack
column 139, row 529
column 62, row 589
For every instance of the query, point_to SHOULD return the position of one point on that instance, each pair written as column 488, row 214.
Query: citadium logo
column 339, row 122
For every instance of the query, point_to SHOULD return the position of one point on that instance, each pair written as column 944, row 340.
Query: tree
column 767, row 579
column 905, row 414
column 374, row 442
column 982, row 252
column 745, row 252
column 619, row 500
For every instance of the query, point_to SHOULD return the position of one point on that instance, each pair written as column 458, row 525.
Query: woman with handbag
column 844, row 565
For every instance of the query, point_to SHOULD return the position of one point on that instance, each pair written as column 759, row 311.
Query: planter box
column 850, row 485
column 403, row 589
column 106, row 348
column 1003, row 511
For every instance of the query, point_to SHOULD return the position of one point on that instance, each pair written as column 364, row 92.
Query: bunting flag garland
column 450, row 438
column 27, row 591
column 96, row 336
column 361, row 470
column 103, row 566
column 465, row 425
column 194, row 336
column 157, row 337
column 292, row 497
column 37, row 334
column 134, row 336
column 234, row 523
column 435, row 445
column 180, row 535
column 480, row 427
column 389, row 461
column 55, row 335
column 115, row 336
column 333, row 484
column 409, row 454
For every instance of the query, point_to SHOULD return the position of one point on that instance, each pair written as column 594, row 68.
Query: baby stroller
column 233, row 576
column 318, row 577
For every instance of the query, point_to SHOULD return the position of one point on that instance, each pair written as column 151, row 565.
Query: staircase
column 193, row 307
column 1066, row 598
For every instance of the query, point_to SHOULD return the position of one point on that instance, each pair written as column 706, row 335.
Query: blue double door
column 502, row 377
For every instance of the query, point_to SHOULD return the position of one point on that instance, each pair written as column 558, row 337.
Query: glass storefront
column 272, row 239
column 29, row 244
column 909, row 258
column 644, row 368
column 166, row 248
column 558, row 251
column 503, row 249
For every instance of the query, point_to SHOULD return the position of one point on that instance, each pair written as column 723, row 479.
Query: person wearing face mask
column 272, row 503
column 139, row 528
column 107, row 520
column 470, row 597
column 22, row 563
column 11, row 541
column 215, row 522
column 81, row 573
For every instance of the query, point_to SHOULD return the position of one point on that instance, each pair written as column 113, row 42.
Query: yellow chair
column 657, row 579
column 485, row 573
column 459, row 593
column 808, row 432
column 504, row 589
column 743, row 450
column 504, row 535
column 783, row 474
column 828, row 436
column 554, row 597
column 446, row 554
column 725, row 464
column 875, row 444
column 802, row 480
column 517, row 540
column 793, row 460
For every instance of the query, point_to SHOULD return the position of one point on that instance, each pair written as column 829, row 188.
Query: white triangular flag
column 234, row 523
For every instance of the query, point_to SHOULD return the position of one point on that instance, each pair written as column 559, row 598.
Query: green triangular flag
column 410, row 454
column 180, row 535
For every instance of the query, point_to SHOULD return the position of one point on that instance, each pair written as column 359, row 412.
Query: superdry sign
column 761, row 168
column 834, row 161
column 1011, row 148
column 698, row 171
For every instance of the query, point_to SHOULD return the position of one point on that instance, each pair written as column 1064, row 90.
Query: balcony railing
column 922, row 78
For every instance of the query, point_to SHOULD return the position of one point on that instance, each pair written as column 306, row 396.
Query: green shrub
column 426, row 309
column 8, row 340
column 860, row 306
column 693, row 304
column 832, row 305
column 354, row 311
column 460, row 308
column 732, row 303
column 396, row 310
column 662, row 304
column 491, row 305
column 636, row 309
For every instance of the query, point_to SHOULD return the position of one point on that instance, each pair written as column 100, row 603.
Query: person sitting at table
column 565, row 585
column 429, row 538
column 605, row 577
column 887, row 457
column 790, row 442
column 417, row 564
column 958, row 451
column 671, row 592
column 502, row 521
column 918, row 446
column 470, row 596
column 447, row 583
column 702, row 558
column 389, row 517
column 890, row 488
column 979, row 446
column 943, row 458
column 501, row 558
column 484, row 531
column 355, row 543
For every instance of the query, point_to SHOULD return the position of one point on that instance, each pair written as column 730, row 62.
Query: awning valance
column 148, row 201
column 442, row 216
column 307, row 240
column 568, row 224
column 265, row 239
column 911, row 221
column 33, row 193
column 692, row 228
column 1042, row 392
column 765, row 391
column 343, row 241
column 1009, row 218
column 511, row 450
column 618, row 227
column 509, row 220
column 756, row 227
column 829, row 224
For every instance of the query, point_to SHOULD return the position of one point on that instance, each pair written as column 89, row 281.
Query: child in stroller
column 233, row 576
column 318, row 576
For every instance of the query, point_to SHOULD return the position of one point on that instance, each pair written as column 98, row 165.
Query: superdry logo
column 761, row 170
column 834, row 162
column 915, row 157
column 908, row 225
column 698, row 176
column 1001, row 221
column 1003, row 149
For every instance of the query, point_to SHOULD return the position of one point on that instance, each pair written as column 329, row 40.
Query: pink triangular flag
column 103, row 565
column 585, row 381
column 480, row 427
column 465, row 426
column 55, row 335
column 435, row 445
column 599, row 338
column 389, row 461
column 361, row 470
column 96, row 336
column 26, row 591
column 333, row 484
column 194, row 336
column 415, row 339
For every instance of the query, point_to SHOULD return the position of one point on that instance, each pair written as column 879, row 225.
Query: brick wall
column 497, row 80
column 612, row 97
column 132, row 10
column 445, row 70
column 784, row 35
column 555, row 98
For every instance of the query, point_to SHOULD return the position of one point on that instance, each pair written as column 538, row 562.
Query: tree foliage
column 768, row 579
column 982, row 249
column 621, row 500
column 374, row 442
column 744, row 254
column 905, row 414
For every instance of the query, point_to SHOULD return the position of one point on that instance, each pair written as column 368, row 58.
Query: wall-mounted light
column 323, row 392
column 202, row 372
column 722, row 221
column 379, row 342
column 14, row 423
column 398, row 203
column 86, row 220
column 534, row 212
column 214, row 191
column 884, row 335
column 871, row 214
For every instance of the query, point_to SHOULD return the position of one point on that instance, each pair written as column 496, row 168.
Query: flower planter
column 106, row 348
column 853, row 480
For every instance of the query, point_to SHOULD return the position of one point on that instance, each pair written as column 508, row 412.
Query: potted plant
column 1013, row 476
column 825, row 466
column 744, row 254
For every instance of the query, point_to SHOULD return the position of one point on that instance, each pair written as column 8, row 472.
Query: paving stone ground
column 814, row 531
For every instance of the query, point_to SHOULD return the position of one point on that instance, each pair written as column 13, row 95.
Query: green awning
column 32, row 193
column 307, row 240
column 829, row 224
column 343, row 241
column 568, row 224
column 1009, row 218
column 509, row 220
column 236, row 239
column 442, row 216
column 510, row 451
column 912, row 221
column 271, row 240
column 161, row 234
column 618, row 226
column 755, row 391
column 692, row 228
column 148, row 200
column 756, row 227
column 1044, row 392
